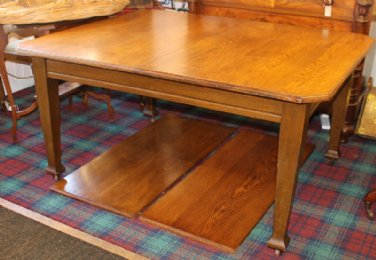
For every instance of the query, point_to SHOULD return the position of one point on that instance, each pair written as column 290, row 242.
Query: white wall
column 20, row 76
column 370, row 63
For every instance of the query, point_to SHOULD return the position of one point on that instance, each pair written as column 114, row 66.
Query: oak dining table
column 273, row 72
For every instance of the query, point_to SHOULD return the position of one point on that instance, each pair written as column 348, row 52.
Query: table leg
column 292, row 137
column 148, row 107
column 49, row 108
column 338, row 119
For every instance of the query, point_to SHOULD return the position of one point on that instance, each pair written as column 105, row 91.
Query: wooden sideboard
column 343, row 15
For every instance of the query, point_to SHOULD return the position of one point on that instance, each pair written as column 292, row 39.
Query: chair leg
column 148, row 107
column 85, row 99
column 12, row 105
column 3, row 43
column 104, row 97
column 110, row 109
column 14, row 124
column 2, row 96
column 15, row 113
column 70, row 103
column 369, row 199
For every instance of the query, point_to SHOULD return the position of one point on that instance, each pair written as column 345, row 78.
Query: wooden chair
column 8, row 102
column 37, row 19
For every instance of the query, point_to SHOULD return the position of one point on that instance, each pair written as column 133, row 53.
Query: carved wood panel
column 241, row 3
column 341, row 9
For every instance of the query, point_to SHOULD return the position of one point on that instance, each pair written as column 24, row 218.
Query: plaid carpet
column 328, row 219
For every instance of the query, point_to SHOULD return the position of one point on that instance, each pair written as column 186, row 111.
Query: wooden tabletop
column 282, row 62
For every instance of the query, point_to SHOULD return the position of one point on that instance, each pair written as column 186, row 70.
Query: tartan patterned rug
column 328, row 220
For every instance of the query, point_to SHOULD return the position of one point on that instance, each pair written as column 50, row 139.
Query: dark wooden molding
column 361, row 24
column 362, row 16
column 328, row 2
column 193, row 6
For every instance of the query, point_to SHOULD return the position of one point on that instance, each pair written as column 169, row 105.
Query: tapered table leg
column 49, row 108
column 338, row 120
column 292, row 137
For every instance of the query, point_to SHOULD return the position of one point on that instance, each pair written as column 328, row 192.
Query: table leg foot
column 149, row 108
column 338, row 120
column 279, row 244
column 332, row 155
column 55, row 172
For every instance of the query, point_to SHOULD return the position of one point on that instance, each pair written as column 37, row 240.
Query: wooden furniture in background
column 65, row 90
column 37, row 19
column 51, row 11
column 367, row 128
column 212, row 65
column 369, row 199
column 345, row 15
column 8, row 101
column 367, row 121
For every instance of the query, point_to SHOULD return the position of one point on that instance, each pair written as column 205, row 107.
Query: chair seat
column 48, row 11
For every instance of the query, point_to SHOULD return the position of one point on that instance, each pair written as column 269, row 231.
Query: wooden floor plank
column 135, row 172
column 223, row 199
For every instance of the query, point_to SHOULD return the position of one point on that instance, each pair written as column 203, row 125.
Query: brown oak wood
column 224, row 64
column 217, row 99
column 280, row 18
column 338, row 119
column 48, row 92
column 221, row 201
column 2, row 96
column 292, row 135
column 342, row 10
column 106, row 97
column 148, row 107
column 200, row 56
column 370, row 199
column 133, row 173
column 346, row 15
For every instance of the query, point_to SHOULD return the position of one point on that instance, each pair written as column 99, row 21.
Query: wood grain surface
column 340, row 10
column 133, row 173
column 307, row 65
column 224, row 198
column 309, row 8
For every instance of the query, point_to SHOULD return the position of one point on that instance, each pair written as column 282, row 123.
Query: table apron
column 180, row 92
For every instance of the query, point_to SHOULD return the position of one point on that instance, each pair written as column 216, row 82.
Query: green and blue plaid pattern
column 328, row 220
